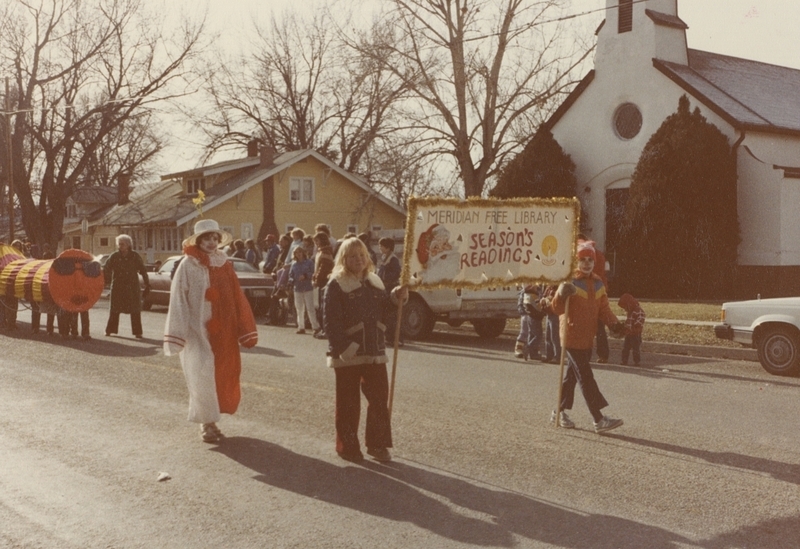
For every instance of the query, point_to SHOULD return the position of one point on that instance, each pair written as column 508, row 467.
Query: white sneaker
column 564, row 420
column 607, row 424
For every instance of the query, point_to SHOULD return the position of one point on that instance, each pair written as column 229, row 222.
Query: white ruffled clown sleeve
column 179, row 314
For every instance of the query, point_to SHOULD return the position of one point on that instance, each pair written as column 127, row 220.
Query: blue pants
column 579, row 371
column 524, row 328
column 633, row 342
column 535, row 337
column 530, row 333
column 552, row 338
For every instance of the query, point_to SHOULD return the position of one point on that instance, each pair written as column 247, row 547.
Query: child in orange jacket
column 588, row 303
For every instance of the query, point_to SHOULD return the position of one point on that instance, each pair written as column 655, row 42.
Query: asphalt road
column 709, row 456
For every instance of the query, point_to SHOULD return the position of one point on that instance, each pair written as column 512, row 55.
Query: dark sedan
column 256, row 285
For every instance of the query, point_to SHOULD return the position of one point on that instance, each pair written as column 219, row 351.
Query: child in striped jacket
column 634, row 325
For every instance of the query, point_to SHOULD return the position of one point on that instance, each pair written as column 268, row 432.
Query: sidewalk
column 706, row 351
column 687, row 322
column 711, row 351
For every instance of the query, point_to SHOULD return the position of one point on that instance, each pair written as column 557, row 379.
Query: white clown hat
column 208, row 226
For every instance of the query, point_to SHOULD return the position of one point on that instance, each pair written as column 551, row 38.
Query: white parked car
column 772, row 326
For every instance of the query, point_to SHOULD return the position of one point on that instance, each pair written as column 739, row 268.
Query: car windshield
column 167, row 266
column 243, row 267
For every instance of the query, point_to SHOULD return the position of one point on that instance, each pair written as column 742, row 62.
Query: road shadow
column 781, row 532
column 772, row 380
column 267, row 351
column 668, row 370
column 400, row 492
column 97, row 345
column 787, row 472
column 445, row 351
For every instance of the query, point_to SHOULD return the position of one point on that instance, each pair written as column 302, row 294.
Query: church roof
column 750, row 95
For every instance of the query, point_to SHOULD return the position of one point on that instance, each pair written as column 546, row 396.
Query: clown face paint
column 208, row 242
column 586, row 264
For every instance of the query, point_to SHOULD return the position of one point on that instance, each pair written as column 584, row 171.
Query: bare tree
column 483, row 73
column 87, row 78
column 301, row 89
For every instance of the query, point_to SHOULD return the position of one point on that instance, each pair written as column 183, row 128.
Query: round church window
column 627, row 121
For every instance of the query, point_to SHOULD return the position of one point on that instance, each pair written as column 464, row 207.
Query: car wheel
column 418, row 320
column 778, row 350
column 489, row 328
column 277, row 313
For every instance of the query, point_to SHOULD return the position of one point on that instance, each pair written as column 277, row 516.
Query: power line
column 556, row 20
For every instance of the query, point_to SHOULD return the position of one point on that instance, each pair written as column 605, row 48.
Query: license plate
column 258, row 293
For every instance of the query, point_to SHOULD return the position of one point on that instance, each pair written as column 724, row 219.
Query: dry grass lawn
column 673, row 333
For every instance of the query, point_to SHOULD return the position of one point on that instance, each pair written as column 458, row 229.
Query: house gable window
column 625, row 16
column 301, row 189
column 194, row 185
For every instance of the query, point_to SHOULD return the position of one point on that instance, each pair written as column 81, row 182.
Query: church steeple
column 636, row 32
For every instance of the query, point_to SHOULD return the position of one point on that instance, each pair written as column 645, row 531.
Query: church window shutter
column 625, row 16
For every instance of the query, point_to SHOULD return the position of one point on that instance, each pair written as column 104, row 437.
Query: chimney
column 123, row 188
column 267, row 156
column 252, row 148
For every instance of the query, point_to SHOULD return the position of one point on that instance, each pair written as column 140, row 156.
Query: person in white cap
column 208, row 318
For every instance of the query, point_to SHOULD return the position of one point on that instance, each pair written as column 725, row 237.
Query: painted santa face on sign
column 440, row 241
column 208, row 242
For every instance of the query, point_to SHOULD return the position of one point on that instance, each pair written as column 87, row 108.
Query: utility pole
column 10, row 168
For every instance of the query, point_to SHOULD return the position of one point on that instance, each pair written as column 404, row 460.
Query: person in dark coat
column 389, row 270
column 365, row 237
column 357, row 310
column 323, row 265
column 122, row 270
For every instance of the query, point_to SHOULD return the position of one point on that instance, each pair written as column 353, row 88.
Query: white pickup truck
column 772, row 326
column 486, row 309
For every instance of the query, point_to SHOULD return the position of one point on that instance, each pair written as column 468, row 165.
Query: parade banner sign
column 481, row 243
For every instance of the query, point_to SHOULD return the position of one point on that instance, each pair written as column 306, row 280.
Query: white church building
column 642, row 66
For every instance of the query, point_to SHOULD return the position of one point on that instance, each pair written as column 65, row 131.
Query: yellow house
column 251, row 197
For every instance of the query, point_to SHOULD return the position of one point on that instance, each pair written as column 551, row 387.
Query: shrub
column 542, row 169
column 681, row 231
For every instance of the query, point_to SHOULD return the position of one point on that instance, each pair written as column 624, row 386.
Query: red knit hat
column 586, row 249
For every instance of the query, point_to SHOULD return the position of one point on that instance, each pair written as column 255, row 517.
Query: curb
column 705, row 351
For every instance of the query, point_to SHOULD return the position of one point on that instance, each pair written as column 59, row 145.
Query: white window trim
column 247, row 231
column 296, row 184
